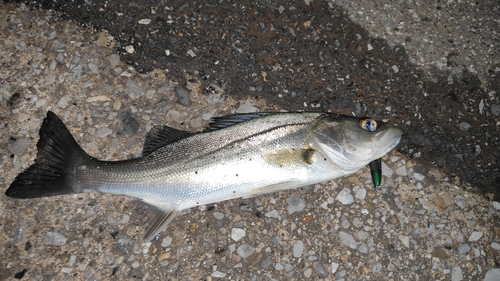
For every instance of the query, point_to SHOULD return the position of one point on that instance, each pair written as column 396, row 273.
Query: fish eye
column 368, row 124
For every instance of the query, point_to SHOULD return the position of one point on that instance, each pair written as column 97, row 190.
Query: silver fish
column 237, row 156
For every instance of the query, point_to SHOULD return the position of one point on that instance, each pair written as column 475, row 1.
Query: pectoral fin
column 156, row 219
column 273, row 188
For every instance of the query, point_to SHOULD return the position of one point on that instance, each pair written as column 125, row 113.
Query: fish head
column 352, row 142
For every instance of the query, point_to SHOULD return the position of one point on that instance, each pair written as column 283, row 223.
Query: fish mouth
column 391, row 136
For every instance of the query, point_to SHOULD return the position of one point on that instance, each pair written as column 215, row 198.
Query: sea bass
column 240, row 155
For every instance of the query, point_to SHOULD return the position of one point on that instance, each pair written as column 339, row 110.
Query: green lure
column 376, row 171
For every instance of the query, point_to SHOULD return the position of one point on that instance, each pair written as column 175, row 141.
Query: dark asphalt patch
column 307, row 57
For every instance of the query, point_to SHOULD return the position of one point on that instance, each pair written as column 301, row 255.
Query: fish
column 236, row 156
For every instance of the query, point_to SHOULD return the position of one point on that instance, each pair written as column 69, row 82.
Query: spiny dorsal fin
column 222, row 122
column 161, row 135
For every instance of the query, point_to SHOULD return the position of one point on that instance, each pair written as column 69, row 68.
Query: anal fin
column 156, row 219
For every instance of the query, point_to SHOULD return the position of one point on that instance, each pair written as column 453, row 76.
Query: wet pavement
column 181, row 64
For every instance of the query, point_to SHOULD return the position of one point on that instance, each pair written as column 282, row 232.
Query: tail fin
column 52, row 172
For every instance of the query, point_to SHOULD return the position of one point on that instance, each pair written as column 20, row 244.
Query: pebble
column 405, row 240
column 295, row 204
column 273, row 214
column 218, row 215
column 279, row 267
column 245, row 251
column 335, row 267
column 247, row 107
column 348, row 240
column 401, row 171
column 456, row 274
column 475, row 236
column 492, row 275
column 320, row 270
column 182, row 94
column 237, row 234
column 54, row 238
column 418, row 176
column 345, row 198
column 376, row 268
column 19, row 233
column 361, row 194
column 218, row 274
column 266, row 263
column 307, row 273
column 104, row 132
column 134, row 90
column 495, row 246
column 496, row 205
column 464, row 126
column 124, row 244
column 495, row 109
column 64, row 101
column 298, row 248
column 166, row 241
column 128, row 124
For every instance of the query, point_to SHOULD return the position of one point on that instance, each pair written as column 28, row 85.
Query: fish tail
column 52, row 172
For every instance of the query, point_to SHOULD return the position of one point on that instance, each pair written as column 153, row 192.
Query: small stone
column 134, row 90
column 166, row 241
column 218, row 215
column 237, row 234
column 191, row 53
column 369, row 47
column 405, row 240
column 348, row 240
column 130, row 49
column 418, row 176
column 345, row 198
column 438, row 253
column 495, row 109
column 266, row 263
column 298, row 248
column 464, row 126
column 247, row 107
column 307, row 273
column 245, row 251
column 361, row 194
column 128, row 124
column 182, row 94
column 21, row 46
column 102, row 133
column 495, row 246
column 492, row 275
column 273, row 214
column 124, row 244
column 395, row 68
column 66, row 269
column 279, row 267
column 19, row 233
column 401, row 171
column 114, row 60
column 456, row 274
column 376, row 268
column 164, row 256
column 93, row 68
column 218, row 274
column 335, row 267
column 295, row 204
column 496, row 205
column 475, row 236
column 57, row 44
column 40, row 103
column 64, row 101
column 144, row 21
column 54, row 238
column 320, row 270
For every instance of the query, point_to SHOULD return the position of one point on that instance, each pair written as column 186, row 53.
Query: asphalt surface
column 311, row 55
column 112, row 70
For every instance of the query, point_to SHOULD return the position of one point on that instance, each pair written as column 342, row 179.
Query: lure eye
column 368, row 124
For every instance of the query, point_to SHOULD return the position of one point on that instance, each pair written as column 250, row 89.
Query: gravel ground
column 423, row 224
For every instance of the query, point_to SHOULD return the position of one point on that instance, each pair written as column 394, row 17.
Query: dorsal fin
column 161, row 135
column 222, row 122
